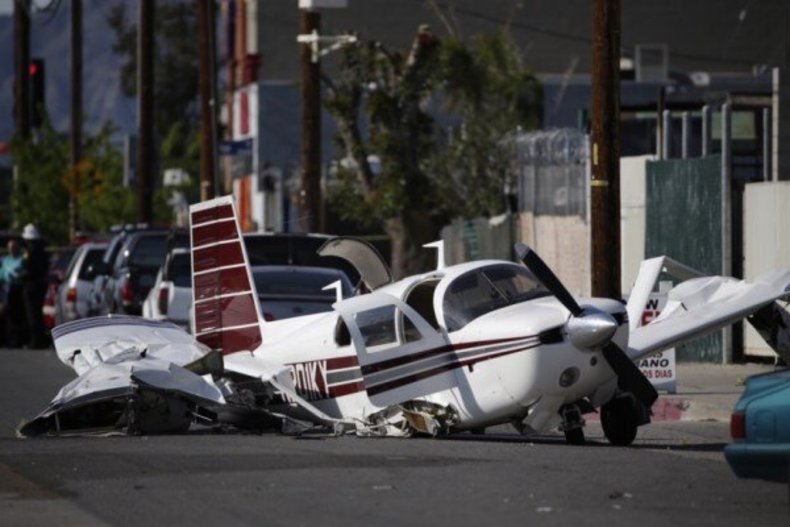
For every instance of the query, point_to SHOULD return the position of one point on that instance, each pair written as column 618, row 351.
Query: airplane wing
column 700, row 306
column 134, row 375
column 85, row 343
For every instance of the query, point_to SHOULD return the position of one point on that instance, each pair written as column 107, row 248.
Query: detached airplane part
column 134, row 376
column 462, row 347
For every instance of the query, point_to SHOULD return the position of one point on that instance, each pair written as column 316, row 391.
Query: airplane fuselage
column 510, row 363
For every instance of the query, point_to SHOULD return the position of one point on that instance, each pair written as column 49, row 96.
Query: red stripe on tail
column 224, row 298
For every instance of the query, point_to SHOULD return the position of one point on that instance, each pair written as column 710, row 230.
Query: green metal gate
column 684, row 221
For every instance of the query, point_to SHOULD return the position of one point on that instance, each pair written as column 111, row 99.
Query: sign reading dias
column 659, row 368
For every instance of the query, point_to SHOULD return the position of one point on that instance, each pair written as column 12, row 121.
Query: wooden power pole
column 605, row 149
column 205, row 56
column 310, row 198
column 22, row 67
column 76, row 111
column 145, row 110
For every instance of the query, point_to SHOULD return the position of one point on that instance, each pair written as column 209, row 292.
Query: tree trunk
column 408, row 233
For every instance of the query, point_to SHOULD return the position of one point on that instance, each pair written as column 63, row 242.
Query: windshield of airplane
column 478, row 292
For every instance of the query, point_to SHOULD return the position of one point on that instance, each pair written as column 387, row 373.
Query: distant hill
column 50, row 40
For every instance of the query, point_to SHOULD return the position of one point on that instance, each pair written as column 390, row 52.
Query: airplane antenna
column 439, row 246
column 337, row 285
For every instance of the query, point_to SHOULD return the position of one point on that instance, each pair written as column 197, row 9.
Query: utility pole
column 205, row 54
column 310, row 197
column 145, row 110
column 605, row 151
column 76, row 112
column 22, row 67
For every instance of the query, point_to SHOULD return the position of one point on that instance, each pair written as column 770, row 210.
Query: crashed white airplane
column 459, row 348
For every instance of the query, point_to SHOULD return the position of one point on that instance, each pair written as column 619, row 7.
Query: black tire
column 575, row 436
column 619, row 421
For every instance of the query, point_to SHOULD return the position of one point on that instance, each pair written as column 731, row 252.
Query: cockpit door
column 401, row 356
column 363, row 256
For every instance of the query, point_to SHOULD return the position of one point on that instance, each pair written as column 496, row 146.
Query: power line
column 575, row 38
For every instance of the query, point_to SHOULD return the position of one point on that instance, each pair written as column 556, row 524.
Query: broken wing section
column 85, row 343
column 702, row 305
column 135, row 376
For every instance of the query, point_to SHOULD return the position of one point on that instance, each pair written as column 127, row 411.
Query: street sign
column 233, row 148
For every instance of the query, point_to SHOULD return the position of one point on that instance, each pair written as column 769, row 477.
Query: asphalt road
column 674, row 474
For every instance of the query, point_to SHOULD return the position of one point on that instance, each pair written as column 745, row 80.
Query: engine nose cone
column 592, row 329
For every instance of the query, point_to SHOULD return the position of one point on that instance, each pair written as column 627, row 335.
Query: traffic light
column 37, row 92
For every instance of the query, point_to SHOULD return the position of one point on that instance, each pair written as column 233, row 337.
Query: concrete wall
column 632, row 218
column 564, row 244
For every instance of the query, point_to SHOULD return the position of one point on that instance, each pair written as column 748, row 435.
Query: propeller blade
column 629, row 377
column 546, row 276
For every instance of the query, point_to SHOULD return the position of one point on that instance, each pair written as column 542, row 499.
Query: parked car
column 123, row 279
column 100, row 271
column 293, row 249
column 171, row 296
column 760, row 429
column 286, row 291
column 59, row 261
column 71, row 299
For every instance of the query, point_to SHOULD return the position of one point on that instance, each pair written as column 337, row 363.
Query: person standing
column 33, row 276
column 12, row 309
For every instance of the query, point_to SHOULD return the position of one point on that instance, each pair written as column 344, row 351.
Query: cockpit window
column 483, row 290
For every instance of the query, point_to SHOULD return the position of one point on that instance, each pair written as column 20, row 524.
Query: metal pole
column 204, row 85
column 706, row 135
column 726, row 214
column 686, row 135
column 666, row 129
column 145, row 110
column 605, row 151
column 766, row 144
column 214, row 102
column 310, row 197
column 662, row 95
column 76, row 113
column 21, row 67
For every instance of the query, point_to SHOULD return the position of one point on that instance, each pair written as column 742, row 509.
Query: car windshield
column 298, row 283
column 180, row 270
column 149, row 251
column 483, row 290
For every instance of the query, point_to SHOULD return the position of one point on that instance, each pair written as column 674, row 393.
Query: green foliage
column 460, row 171
column 383, row 92
column 488, row 87
column 47, row 181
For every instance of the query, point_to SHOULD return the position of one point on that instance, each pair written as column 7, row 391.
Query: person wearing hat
column 33, row 276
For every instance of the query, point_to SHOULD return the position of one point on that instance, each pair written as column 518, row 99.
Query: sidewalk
column 705, row 392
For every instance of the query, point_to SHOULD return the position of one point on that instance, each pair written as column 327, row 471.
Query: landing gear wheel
column 575, row 436
column 619, row 420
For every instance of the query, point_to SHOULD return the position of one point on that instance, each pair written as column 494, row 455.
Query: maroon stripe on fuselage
column 221, row 282
column 339, row 363
column 214, row 232
column 414, row 357
column 397, row 383
column 346, row 389
column 232, row 340
column 212, row 214
column 217, row 256
column 225, row 312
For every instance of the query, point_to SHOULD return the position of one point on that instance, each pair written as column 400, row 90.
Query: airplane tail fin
column 227, row 313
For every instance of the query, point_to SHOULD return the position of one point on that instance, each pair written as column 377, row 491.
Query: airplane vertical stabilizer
column 227, row 314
